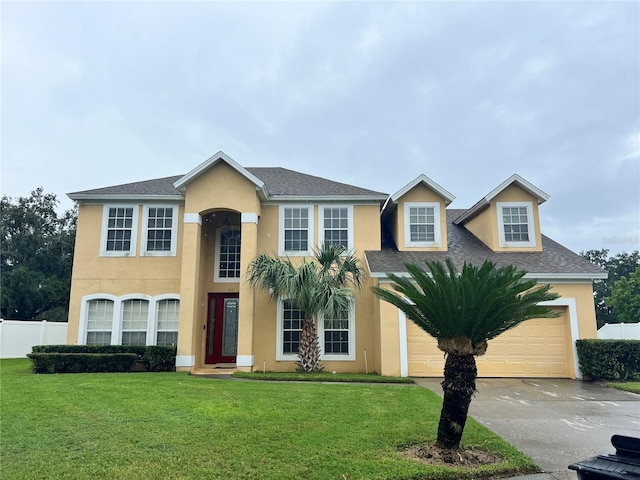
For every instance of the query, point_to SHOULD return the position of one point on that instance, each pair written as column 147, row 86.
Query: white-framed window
column 296, row 230
column 335, row 225
column 290, row 320
column 135, row 317
column 99, row 321
column 227, row 258
column 160, row 232
column 119, row 230
column 422, row 224
column 337, row 336
column 515, row 224
column 167, row 317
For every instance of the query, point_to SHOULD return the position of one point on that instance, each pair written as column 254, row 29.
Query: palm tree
column 463, row 312
column 317, row 287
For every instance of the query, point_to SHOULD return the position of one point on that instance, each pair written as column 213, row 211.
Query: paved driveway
column 556, row 422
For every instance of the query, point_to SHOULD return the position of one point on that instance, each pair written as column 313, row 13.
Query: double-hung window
column 337, row 336
column 515, row 223
column 119, row 228
column 290, row 320
column 296, row 230
column 422, row 224
column 160, row 230
column 99, row 321
column 135, row 314
column 168, row 314
column 336, row 225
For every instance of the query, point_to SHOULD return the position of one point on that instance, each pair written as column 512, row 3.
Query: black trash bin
column 624, row 464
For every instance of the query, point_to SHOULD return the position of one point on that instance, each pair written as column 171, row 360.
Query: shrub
column 160, row 359
column 153, row 358
column 82, row 362
column 609, row 359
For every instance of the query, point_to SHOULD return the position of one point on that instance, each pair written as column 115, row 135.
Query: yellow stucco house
column 162, row 262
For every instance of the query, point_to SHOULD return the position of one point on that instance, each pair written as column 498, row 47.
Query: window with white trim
column 119, row 230
column 292, row 320
column 422, row 224
column 135, row 313
column 168, row 315
column 159, row 235
column 515, row 222
column 337, row 336
column 227, row 261
column 296, row 230
column 99, row 321
column 336, row 225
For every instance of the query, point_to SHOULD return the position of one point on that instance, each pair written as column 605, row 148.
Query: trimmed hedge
column 609, row 359
column 153, row 358
column 82, row 362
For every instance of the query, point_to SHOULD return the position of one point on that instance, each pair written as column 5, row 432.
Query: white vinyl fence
column 18, row 336
column 620, row 331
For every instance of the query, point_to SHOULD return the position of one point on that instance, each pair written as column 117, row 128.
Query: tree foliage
column 463, row 311
column 317, row 287
column 625, row 298
column 36, row 257
column 621, row 265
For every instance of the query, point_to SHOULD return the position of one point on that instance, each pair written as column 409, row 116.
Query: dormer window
column 515, row 221
column 422, row 224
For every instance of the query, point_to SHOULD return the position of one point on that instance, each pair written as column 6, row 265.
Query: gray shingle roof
column 278, row 181
column 464, row 246
column 281, row 181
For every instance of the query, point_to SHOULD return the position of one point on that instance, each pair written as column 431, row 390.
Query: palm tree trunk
column 309, row 349
column 459, row 385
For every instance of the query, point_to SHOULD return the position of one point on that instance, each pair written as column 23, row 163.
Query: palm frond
column 479, row 303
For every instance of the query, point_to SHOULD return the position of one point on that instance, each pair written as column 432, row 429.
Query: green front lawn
column 176, row 426
column 633, row 387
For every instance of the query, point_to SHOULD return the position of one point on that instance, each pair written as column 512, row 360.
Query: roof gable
column 486, row 200
column 181, row 184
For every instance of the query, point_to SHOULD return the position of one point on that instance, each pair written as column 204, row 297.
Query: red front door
column 222, row 328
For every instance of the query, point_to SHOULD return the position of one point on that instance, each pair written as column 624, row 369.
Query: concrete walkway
column 556, row 422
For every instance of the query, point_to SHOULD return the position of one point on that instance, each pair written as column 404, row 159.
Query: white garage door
column 535, row 348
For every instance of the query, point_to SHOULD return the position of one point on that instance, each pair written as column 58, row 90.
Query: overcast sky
column 367, row 93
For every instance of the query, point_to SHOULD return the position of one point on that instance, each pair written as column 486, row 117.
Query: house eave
column 540, row 277
column 274, row 199
column 93, row 198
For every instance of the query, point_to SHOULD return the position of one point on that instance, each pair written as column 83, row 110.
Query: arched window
column 135, row 314
column 99, row 321
column 168, row 313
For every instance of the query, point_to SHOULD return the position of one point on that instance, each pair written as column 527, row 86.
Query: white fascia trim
column 353, row 199
column 244, row 360
column 567, row 277
column 93, row 198
column 249, row 218
column 529, row 187
column 404, row 348
column 192, row 218
column 210, row 162
column 185, row 360
column 531, row 226
column 573, row 323
column 541, row 277
column 444, row 193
